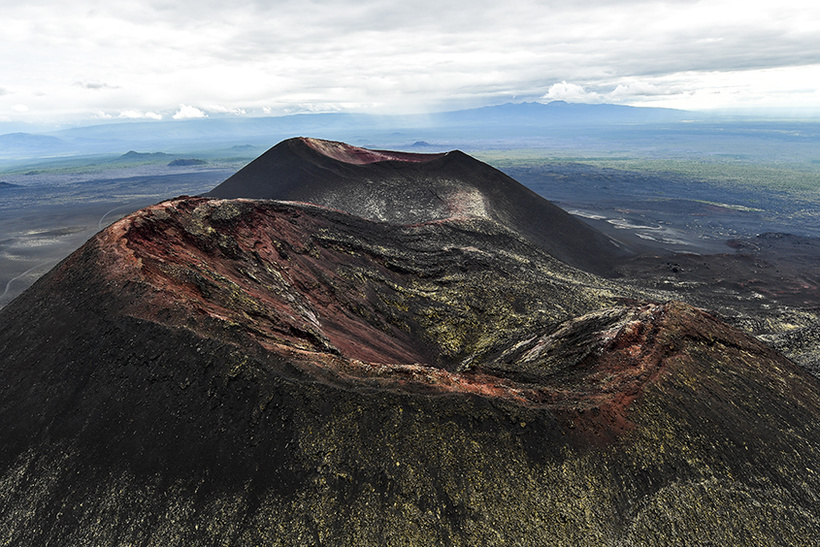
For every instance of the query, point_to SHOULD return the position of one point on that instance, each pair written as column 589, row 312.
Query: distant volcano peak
column 356, row 155
column 410, row 188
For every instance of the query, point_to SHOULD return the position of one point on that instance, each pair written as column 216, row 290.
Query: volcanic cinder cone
column 244, row 372
column 408, row 188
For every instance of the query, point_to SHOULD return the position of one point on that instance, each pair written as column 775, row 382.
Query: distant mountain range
column 23, row 145
column 177, row 135
column 562, row 113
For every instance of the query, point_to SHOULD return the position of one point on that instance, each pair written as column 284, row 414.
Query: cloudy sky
column 91, row 60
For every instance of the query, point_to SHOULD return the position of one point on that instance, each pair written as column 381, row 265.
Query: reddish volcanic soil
column 360, row 156
column 256, row 272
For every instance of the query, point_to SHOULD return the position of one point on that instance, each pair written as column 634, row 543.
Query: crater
column 355, row 155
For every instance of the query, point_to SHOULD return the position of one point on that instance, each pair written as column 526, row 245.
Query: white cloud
column 572, row 93
column 774, row 88
column 95, row 85
column 20, row 108
column 136, row 115
column 219, row 109
column 313, row 108
column 640, row 89
column 403, row 57
column 187, row 112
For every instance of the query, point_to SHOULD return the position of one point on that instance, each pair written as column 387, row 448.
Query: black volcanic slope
column 241, row 372
column 407, row 188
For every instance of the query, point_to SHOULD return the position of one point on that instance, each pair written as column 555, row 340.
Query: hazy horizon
column 737, row 114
